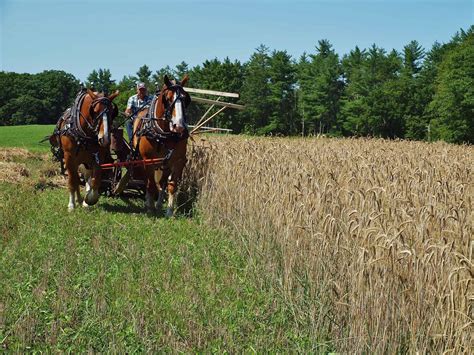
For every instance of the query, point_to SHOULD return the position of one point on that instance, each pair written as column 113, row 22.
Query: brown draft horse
column 83, row 134
column 161, row 132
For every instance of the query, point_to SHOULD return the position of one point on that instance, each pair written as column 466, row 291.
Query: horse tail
column 46, row 138
column 53, row 140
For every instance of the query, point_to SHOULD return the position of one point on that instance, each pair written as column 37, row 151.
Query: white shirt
column 134, row 103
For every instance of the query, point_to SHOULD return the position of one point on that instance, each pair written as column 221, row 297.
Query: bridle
column 94, row 126
column 180, row 95
column 149, row 125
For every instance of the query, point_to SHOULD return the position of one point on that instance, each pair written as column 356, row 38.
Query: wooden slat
column 212, row 92
column 201, row 131
column 208, row 119
column 218, row 103
column 212, row 128
column 207, row 112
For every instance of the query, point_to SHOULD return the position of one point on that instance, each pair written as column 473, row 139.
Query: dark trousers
column 129, row 128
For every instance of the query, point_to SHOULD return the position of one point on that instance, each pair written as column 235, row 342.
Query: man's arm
column 128, row 110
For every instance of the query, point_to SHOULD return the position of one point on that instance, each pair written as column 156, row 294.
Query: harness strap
column 69, row 123
column 150, row 128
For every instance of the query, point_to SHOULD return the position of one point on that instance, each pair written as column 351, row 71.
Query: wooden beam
column 208, row 119
column 212, row 92
column 218, row 103
column 207, row 112
column 206, row 131
column 212, row 128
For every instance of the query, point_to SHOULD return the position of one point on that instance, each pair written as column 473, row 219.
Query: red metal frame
column 143, row 162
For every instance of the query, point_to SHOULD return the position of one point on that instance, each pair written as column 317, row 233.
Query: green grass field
column 111, row 278
column 27, row 137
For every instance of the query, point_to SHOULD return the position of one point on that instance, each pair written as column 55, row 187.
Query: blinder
column 181, row 95
column 96, row 118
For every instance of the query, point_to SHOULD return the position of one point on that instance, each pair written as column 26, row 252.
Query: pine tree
column 413, row 54
column 181, row 70
column 100, row 80
column 415, row 93
column 320, row 86
column 453, row 104
column 256, row 91
column 372, row 93
column 353, row 99
column 282, row 95
column 157, row 78
column 144, row 75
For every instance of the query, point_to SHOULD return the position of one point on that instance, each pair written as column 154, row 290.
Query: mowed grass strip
column 111, row 278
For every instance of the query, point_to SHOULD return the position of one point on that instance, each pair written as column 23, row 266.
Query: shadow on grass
column 133, row 203
column 185, row 203
column 130, row 206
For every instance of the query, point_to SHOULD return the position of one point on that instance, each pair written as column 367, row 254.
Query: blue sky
column 81, row 35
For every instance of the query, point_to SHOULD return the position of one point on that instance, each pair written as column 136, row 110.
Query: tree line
column 411, row 94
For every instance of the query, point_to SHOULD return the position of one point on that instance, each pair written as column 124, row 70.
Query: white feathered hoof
column 71, row 204
column 84, row 204
column 91, row 198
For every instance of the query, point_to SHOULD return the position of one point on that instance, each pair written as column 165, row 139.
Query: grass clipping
column 13, row 154
column 11, row 171
column 19, row 166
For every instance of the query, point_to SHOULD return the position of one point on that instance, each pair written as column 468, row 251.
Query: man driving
column 135, row 104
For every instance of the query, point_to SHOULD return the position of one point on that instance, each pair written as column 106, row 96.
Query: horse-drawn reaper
column 156, row 156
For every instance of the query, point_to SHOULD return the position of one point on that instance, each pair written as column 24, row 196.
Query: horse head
column 102, row 112
column 172, row 104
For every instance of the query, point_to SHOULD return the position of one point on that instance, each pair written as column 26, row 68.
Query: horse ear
column 184, row 80
column 115, row 110
column 114, row 95
column 92, row 94
column 167, row 81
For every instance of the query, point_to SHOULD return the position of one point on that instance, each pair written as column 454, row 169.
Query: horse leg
column 78, row 194
column 176, row 174
column 73, row 180
column 150, row 189
column 161, row 177
column 171, row 199
column 88, row 179
column 87, row 174
column 92, row 195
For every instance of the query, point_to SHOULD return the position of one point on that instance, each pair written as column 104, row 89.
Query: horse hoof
column 169, row 213
column 91, row 198
column 84, row 204
column 70, row 208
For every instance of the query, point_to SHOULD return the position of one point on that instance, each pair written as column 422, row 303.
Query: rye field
column 370, row 241
column 294, row 245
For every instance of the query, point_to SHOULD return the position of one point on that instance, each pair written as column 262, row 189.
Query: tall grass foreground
column 370, row 241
